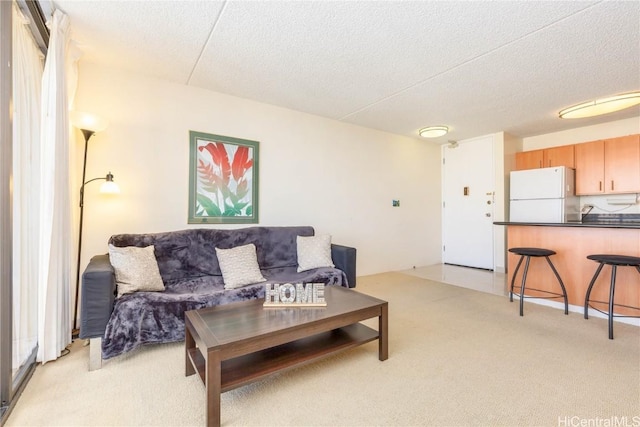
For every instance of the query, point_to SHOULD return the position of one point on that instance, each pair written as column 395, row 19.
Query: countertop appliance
column 545, row 195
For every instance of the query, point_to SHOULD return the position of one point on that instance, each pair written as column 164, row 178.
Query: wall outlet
column 395, row 203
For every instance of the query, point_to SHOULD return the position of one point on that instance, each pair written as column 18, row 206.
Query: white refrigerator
column 545, row 195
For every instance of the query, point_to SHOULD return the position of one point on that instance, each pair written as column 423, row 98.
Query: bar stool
column 614, row 261
column 536, row 253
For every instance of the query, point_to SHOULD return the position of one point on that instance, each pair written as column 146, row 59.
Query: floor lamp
column 88, row 125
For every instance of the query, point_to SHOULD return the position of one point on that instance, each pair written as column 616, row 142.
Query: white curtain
column 27, row 82
column 56, row 278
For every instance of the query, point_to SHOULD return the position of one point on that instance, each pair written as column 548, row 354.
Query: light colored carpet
column 457, row 357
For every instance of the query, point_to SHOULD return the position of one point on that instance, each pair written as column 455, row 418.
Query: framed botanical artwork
column 223, row 179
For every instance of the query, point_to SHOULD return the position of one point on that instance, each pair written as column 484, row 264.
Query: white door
column 468, row 197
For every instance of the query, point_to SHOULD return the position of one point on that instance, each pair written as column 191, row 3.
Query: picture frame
column 223, row 179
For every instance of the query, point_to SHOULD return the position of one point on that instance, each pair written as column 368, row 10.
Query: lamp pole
column 88, row 124
column 87, row 135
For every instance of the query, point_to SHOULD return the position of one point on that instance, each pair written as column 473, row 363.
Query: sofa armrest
column 344, row 258
column 98, row 295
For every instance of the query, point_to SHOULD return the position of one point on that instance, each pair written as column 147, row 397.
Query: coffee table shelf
column 235, row 344
column 251, row 367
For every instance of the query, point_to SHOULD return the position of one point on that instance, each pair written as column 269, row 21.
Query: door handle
column 487, row 214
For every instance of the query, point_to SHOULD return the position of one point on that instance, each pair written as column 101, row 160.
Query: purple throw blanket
column 191, row 274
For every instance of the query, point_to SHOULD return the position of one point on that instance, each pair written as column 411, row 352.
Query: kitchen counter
column 573, row 242
column 589, row 221
column 587, row 224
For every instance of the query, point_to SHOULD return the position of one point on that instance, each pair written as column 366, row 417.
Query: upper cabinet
column 590, row 168
column 609, row 166
column 560, row 156
column 529, row 159
column 622, row 164
column 549, row 157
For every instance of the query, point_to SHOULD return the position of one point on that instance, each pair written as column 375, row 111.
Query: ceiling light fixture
column 601, row 106
column 433, row 131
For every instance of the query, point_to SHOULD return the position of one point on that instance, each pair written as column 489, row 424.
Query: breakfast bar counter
column 586, row 224
column 573, row 242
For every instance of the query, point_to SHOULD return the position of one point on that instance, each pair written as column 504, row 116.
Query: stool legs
column 612, row 291
column 586, row 299
column 524, row 278
column 564, row 291
column 513, row 278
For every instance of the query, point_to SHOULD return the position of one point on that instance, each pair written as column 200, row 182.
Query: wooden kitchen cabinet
column 608, row 166
column 529, row 159
column 548, row 157
column 590, row 168
column 559, row 156
column 622, row 164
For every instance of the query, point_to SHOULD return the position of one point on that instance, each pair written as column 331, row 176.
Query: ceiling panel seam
column 421, row 82
column 204, row 46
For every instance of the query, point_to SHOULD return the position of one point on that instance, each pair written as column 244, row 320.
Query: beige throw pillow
column 239, row 266
column 314, row 252
column 136, row 269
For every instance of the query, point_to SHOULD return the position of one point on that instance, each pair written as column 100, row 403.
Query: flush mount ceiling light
column 433, row 131
column 601, row 106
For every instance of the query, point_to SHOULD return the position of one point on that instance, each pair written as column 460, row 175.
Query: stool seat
column 624, row 260
column 527, row 254
column 536, row 252
column 614, row 261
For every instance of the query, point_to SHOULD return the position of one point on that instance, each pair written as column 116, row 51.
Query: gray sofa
column 191, row 274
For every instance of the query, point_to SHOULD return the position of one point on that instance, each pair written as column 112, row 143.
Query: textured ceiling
column 397, row 66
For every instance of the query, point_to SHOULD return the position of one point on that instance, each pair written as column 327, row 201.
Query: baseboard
column 580, row 309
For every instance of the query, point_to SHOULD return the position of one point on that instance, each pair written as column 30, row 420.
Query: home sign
column 294, row 295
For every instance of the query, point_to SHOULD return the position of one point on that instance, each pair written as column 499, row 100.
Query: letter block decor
column 298, row 295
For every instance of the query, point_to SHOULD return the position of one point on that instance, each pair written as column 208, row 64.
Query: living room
column 337, row 176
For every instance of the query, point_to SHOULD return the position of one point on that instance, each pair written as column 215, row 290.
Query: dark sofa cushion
column 191, row 253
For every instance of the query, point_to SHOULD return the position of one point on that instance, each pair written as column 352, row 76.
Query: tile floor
column 490, row 282
column 466, row 277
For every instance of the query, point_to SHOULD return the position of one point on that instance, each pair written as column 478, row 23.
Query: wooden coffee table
column 235, row 344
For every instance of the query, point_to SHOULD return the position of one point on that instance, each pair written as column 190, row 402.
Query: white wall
column 505, row 147
column 337, row 177
column 585, row 134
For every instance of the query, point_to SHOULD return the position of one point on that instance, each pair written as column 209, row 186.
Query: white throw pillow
column 314, row 252
column 136, row 269
column 239, row 266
